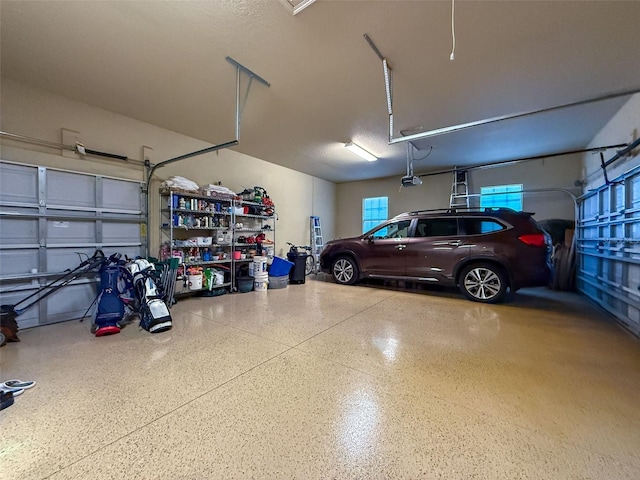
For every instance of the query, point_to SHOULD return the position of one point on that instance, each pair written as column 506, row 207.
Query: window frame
column 512, row 194
column 367, row 220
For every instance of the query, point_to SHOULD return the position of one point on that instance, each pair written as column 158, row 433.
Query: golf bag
column 153, row 312
column 111, row 309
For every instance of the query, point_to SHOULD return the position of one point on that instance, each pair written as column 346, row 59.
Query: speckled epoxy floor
column 324, row 381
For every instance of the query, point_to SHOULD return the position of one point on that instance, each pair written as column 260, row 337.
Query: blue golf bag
column 111, row 309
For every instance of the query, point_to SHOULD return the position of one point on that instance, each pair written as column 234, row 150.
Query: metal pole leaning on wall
column 239, row 68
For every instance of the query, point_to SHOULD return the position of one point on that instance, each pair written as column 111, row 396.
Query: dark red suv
column 484, row 252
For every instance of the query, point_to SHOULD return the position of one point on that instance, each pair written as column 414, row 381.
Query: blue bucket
column 280, row 267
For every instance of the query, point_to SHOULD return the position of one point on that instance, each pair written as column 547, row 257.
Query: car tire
column 483, row 282
column 345, row 270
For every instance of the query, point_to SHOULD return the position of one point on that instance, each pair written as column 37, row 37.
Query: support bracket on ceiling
column 463, row 126
column 619, row 154
column 239, row 69
column 410, row 180
column 240, row 105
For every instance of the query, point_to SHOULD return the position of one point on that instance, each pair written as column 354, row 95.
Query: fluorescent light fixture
column 361, row 152
column 296, row 6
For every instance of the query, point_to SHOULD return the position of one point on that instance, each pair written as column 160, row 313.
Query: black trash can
column 297, row 272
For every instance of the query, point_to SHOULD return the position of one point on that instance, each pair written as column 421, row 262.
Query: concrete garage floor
column 324, row 381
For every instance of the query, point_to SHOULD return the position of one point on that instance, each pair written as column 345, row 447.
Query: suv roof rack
column 461, row 209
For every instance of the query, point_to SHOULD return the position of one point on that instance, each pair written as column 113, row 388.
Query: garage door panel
column 70, row 231
column 120, row 232
column 18, row 231
column 122, row 196
column 634, row 188
column 72, row 213
column 18, row 183
column 72, row 189
column 61, row 259
column 19, row 261
column 609, row 261
column 70, row 302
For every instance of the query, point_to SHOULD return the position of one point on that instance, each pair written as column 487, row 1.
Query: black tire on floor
column 483, row 282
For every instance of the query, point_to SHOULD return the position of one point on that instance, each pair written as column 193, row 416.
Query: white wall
column 557, row 172
column 41, row 115
column 624, row 127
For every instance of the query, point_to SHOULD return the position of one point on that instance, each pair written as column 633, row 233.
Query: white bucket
column 195, row 282
column 259, row 265
column 260, row 284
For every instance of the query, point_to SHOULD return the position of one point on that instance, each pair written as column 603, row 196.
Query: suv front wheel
column 345, row 270
column 483, row 282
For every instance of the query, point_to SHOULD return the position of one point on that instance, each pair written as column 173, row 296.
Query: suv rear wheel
column 483, row 282
column 345, row 270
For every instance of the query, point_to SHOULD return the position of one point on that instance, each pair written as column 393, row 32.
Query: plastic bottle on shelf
column 181, row 203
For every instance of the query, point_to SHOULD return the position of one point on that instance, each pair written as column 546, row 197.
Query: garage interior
column 320, row 380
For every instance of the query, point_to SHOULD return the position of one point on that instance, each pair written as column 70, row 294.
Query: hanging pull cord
column 453, row 31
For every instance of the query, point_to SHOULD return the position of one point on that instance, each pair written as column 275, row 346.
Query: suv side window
column 477, row 226
column 437, row 227
column 398, row 229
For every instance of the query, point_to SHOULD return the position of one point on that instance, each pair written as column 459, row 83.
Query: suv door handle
column 455, row 243
column 401, row 247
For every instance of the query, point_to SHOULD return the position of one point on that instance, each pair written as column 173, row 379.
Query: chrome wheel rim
column 482, row 283
column 309, row 266
column 343, row 271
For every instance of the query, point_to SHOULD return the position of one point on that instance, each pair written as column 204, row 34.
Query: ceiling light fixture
column 296, row 6
column 361, row 152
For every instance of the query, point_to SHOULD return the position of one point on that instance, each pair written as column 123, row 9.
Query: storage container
column 245, row 284
column 195, row 282
column 259, row 265
column 204, row 241
column 260, row 285
column 278, row 282
column 279, row 267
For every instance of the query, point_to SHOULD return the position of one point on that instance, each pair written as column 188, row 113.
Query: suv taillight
column 533, row 239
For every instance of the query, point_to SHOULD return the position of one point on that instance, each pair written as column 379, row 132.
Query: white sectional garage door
column 52, row 219
column 609, row 248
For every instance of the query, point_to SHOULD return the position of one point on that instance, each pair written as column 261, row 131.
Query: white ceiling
column 164, row 63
